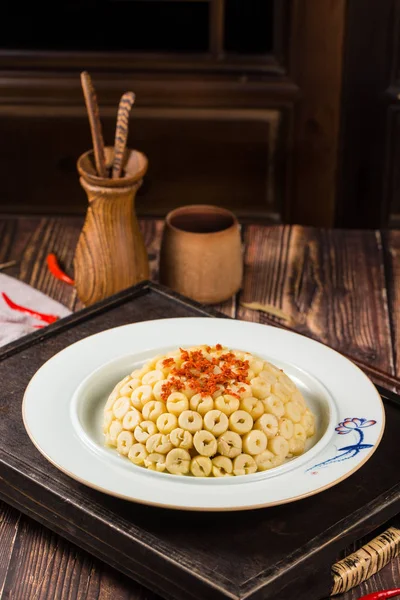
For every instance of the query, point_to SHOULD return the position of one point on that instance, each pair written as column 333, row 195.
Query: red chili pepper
column 383, row 595
column 55, row 270
column 29, row 311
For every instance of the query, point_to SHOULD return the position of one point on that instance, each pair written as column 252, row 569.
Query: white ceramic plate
column 63, row 404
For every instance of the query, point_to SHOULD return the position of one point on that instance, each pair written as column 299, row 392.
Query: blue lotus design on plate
column 347, row 426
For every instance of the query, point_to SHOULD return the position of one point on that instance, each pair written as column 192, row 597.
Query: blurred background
column 280, row 110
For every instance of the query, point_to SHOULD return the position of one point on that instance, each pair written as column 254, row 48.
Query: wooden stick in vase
column 121, row 132
column 95, row 125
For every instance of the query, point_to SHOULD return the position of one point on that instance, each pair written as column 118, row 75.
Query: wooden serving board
column 275, row 553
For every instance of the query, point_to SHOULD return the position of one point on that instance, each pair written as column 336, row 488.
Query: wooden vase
column 110, row 255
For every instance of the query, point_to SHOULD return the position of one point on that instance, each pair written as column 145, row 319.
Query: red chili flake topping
column 173, row 385
column 205, row 376
column 168, row 362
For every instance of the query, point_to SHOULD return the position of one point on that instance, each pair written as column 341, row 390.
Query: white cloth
column 14, row 324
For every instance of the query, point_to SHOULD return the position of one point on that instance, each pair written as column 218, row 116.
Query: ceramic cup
column 201, row 253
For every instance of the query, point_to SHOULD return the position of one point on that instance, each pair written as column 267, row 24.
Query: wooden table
column 341, row 287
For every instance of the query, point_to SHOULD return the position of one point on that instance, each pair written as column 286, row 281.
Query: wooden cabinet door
column 250, row 124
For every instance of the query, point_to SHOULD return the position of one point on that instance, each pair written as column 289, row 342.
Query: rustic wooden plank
column 9, row 523
column 107, row 584
column 330, row 282
column 391, row 244
column 32, row 558
column 229, row 307
column 14, row 235
column 30, row 240
column 44, row 566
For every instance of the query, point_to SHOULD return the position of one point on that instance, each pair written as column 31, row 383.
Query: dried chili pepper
column 33, row 313
column 55, row 270
column 382, row 595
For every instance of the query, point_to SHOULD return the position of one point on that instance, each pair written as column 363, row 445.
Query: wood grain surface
column 121, row 131
column 342, row 287
column 317, row 49
column 331, row 283
column 92, row 108
column 391, row 244
column 110, row 254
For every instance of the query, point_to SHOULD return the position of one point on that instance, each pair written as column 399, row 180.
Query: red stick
column 55, row 270
column 383, row 595
column 29, row 311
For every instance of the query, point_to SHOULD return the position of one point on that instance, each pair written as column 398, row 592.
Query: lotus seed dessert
column 207, row 411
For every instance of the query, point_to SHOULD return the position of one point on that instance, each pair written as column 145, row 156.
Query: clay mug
column 201, row 253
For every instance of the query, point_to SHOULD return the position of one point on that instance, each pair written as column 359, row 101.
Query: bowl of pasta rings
column 204, row 414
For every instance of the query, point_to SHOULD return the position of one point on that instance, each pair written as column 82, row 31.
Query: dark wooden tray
column 278, row 553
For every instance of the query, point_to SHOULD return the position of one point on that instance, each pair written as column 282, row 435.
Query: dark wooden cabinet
column 392, row 125
column 365, row 155
column 277, row 109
